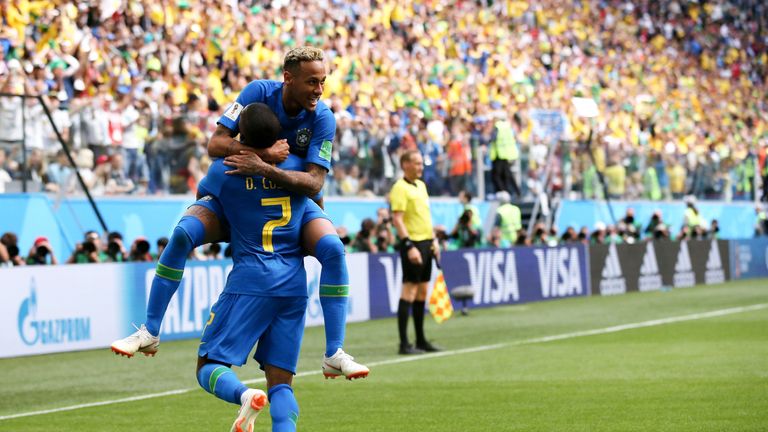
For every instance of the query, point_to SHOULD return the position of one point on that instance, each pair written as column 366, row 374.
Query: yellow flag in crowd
column 440, row 306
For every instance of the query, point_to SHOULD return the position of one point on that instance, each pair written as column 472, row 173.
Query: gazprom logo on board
column 35, row 331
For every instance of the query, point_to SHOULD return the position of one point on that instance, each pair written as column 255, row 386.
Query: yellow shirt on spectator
column 676, row 174
column 615, row 178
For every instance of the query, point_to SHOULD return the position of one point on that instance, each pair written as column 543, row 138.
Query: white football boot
column 254, row 401
column 342, row 363
column 140, row 341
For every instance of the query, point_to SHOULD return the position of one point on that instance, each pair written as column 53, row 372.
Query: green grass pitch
column 703, row 374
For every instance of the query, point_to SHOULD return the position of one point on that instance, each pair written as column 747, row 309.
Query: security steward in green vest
column 692, row 219
column 508, row 218
column 503, row 152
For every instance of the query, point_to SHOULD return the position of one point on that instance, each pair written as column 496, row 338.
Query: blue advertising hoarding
column 497, row 276
column 749, row 258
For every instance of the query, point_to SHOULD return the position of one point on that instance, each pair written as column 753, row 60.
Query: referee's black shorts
column 418, row 273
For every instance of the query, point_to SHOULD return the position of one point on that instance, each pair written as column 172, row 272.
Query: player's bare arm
column 307, row 183
column 223, row 143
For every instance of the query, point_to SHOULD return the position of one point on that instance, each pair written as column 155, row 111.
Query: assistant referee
column 413, row 222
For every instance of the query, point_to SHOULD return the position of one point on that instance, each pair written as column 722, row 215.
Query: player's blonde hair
column 300, row 55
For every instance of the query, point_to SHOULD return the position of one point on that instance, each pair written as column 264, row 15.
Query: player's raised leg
column 219, row 380
column 320, row 239
column 198, row 226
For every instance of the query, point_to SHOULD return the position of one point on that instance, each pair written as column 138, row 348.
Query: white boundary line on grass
column 600, row 331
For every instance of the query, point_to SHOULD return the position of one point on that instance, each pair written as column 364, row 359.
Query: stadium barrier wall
column 64, row 221
column 740, row 216
column 648, row 266
column 61, row 308
column 749, row 258
column 76, row 307
column 497, row 276
column 46, row 309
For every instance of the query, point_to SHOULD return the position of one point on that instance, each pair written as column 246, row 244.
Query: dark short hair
column 259, row 126
column 406, row 157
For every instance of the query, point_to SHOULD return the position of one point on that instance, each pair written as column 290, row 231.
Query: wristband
column 406, row 243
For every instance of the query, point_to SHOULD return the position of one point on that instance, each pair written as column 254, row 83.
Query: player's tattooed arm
column 308, row 182
column 223, row 143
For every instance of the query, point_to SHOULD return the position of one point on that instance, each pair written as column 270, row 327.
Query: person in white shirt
column 5, row 178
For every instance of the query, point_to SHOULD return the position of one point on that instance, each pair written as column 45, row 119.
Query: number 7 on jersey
column 266, row 234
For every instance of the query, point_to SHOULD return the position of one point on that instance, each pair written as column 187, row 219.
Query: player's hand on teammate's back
column 246, row 163
column 414, row 255
column 277, row 153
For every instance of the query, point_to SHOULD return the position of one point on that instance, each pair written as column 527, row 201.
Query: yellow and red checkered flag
column 440, row 306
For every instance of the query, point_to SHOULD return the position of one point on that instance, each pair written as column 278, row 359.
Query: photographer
column 39, row 253
column 162, row 242
column 140, row 251
column 464, row 234
column 10, row 245
column 385, row 237
column 212, row 251
column 115, row 249
column 384, row 240
column 661, row 232
column 89, row 251
column 364, row 240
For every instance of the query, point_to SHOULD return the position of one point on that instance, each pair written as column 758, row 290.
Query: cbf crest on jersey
column 302, row 138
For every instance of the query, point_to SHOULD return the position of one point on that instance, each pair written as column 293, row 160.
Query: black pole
column 24, row 161
column 74, row 165
column 600, row 177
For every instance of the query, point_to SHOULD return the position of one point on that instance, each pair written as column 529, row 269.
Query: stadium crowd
column 136, row 87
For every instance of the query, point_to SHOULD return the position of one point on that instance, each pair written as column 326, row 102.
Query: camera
column 142, row 247
column 214, row 249
column 89, row 247
column 42, row 251
column 113, row 249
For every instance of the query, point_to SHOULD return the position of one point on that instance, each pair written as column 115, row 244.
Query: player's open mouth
column 314, row 101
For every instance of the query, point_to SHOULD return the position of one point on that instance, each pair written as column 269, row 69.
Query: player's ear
column 287, row 77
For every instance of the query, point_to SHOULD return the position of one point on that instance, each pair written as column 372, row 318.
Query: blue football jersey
column 309, row 134
column 265, row 224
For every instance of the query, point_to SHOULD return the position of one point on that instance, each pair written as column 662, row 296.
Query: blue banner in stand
column 548, row 125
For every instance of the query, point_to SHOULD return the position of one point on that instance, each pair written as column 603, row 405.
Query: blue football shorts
column 238, row 322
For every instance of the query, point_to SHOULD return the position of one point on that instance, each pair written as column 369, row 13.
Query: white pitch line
column 593, row 332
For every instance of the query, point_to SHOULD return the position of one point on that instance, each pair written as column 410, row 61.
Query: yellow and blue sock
column 283, row 408
column 220, row 381
column 334, row 290
column 188, row 234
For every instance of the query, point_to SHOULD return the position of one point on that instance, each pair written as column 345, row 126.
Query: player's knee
column 202, row 380
column 329, row 248
column 189, row 232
